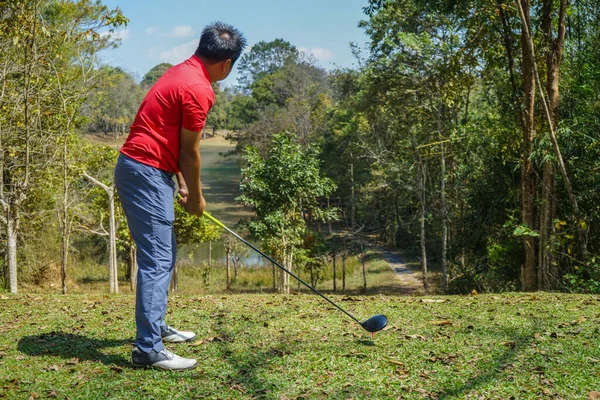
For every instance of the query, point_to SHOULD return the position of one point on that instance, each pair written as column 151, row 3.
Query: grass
column 522, row 346
column 381, row 279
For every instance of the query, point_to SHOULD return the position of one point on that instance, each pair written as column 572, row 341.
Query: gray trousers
column 147, row 194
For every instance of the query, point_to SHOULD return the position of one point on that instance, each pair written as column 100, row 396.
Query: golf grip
column 220, row 224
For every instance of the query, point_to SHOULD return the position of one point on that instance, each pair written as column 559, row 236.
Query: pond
column 216, row 250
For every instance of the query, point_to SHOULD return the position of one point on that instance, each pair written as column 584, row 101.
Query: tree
column 284, row 187
column 114, row 102
column 217, row 117
column 154, row 74
column 33, row 35
column 191, row 230
column 264, row 58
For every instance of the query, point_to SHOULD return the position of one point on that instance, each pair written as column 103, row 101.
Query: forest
column 468, row 134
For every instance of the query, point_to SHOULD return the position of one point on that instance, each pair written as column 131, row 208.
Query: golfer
column 163, row 143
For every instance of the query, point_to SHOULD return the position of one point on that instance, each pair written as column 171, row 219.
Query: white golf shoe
column 163, row 359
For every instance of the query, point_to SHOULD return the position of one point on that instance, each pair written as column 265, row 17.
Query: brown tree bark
column 528, row 178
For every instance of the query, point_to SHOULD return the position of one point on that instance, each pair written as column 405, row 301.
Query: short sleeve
column 196, row 102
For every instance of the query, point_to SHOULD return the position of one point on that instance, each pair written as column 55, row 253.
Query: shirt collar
column 198, row 62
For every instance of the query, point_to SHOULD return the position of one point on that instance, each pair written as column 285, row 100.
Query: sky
column 168, row 31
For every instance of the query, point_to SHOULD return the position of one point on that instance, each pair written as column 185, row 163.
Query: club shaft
column 210, row 217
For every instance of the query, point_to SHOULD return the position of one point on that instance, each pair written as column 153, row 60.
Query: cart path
column 411, row 281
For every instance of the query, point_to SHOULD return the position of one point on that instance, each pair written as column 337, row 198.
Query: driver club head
column 375, row 323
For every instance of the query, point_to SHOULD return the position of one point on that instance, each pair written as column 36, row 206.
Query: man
column 164, row 142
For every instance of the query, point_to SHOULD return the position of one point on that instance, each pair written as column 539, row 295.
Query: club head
column 375, row 323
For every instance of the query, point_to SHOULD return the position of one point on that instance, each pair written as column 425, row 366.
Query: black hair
column 220, row 42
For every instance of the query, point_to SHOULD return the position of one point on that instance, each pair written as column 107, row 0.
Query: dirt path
column 411, row 281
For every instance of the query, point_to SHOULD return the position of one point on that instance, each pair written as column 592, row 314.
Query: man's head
column 220, row 46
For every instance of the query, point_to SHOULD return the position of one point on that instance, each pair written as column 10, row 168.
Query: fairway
column 522, row 346
column 220, row 178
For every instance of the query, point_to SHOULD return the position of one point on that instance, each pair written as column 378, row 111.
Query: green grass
column 522, row 346
column 381, row 279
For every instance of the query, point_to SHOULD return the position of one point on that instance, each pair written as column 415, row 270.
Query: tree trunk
column 228, row 263
column 444, row 213
column 12, row 228
column 546, row 250
column 64, row 248
column 112, row 234
column 112, row 243
column 334, row 273
column 363, row 262
column 236, row 265
column 133, row 266
column 528, row 179
column 344, row 255
column 352, row 205
column 175, row 279
column 422, row 182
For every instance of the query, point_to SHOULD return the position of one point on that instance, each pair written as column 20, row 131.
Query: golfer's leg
column 154, row 275
column 147, row 197
column 163, row 325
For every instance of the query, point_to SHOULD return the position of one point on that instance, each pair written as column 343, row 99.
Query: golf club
column 373, row 324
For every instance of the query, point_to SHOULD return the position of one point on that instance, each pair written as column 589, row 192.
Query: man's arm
column 189, row 163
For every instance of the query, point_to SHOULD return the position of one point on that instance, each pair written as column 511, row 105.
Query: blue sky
column 168, row 31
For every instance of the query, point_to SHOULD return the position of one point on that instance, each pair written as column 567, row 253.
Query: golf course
column 342, row 199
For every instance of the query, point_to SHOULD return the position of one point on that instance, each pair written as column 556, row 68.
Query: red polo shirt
column 182, row 97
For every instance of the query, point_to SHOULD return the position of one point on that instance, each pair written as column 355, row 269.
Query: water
column 218, row 255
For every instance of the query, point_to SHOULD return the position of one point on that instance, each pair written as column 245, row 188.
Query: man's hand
column 195, row 208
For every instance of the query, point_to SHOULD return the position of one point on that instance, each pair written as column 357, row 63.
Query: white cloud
column 179, row 53
column 150, row 31
column 123, row 34
column 320, row 54
column 181, row 31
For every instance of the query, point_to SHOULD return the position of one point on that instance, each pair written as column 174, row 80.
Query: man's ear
column 227, row 65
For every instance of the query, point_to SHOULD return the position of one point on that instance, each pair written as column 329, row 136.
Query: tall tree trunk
column 444, row 220
column 334, row 272
column 422, row 184
column 113, row 241
column 343, row 272
column 344, row 255
column 175, row 279
column 528, row 179
column 228, row 263
column 133, row 266
column 65, row 231
column 443, row 200
column 352, row 205
column 363, row 262
column 112, row 234
column 12, row 228
column 546, row 250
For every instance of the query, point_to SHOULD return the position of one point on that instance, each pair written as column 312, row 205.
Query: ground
column 514, row 345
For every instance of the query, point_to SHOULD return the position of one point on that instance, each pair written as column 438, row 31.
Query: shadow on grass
column 69, row 346
column 249, row 366
column 496, row 367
